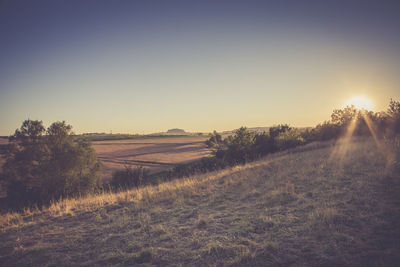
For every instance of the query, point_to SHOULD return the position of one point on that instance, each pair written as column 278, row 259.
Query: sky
column 149, row 66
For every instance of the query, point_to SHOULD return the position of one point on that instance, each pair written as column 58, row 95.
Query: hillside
column 305, row 207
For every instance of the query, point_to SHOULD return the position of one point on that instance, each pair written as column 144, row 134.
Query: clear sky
column 148, row 66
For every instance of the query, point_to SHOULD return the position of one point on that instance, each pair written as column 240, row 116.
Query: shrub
column 130, row 177
column 215, row 141
column 288, row 139
column 323, row 132
column 263, row 144
column 393, row 118
column 240, row 147
column 276, row 130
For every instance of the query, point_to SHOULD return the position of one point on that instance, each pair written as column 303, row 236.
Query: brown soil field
column 3, row 141
column 156, row 154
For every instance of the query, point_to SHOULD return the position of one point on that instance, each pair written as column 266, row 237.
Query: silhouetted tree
column 394, row 116
column 343, row 117
column 40, row 167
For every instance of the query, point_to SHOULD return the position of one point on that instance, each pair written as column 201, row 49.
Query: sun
column 360, row 102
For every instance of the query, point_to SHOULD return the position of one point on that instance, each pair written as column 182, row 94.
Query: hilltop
column 303, row 207
column 176, row 131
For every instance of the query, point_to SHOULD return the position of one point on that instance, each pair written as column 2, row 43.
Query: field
column 156, row 154
column 305, row 207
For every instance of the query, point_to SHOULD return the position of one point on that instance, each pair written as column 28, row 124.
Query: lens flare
column 340, row 149
column 360, row 102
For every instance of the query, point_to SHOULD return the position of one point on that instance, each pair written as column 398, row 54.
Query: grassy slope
column 297, row 208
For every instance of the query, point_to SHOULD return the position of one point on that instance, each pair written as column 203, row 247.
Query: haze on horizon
column 148, row 66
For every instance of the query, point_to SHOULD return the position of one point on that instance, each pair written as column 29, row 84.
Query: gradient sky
column 148, row 66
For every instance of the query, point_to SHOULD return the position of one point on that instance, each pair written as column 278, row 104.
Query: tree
column 288, row 139
column 276, row 130
column 215, row 142
column 394, row 116
column 263, row 144
column 343, row 117
column 239, row 147
column 394, row 109
column 40, row 167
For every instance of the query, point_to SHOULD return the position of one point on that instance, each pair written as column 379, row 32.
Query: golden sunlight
column 360, row 102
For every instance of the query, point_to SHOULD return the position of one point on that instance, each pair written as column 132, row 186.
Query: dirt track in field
column 155, row 154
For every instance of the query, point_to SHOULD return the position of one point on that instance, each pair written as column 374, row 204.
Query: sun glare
column 360, row 102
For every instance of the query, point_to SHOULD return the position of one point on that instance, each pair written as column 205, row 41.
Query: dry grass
column 293, row 208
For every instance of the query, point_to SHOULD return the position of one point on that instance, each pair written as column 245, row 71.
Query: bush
column 215, row 141
column 240, row 147
column 323, row 132
column 128, row 178
column 288, row 139
column 393, row 118
column 263, row 144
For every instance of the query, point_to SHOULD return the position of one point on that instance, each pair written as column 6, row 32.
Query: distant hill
column 176, row 131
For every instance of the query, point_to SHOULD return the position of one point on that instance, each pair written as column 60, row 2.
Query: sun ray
column 382, row 148
column 339, row 151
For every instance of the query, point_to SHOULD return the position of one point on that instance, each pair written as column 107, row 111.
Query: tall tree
column 40, row 167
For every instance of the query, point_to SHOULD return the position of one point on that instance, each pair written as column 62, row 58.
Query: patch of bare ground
column 298, row 208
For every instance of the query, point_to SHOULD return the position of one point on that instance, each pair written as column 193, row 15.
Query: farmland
column 156, row 154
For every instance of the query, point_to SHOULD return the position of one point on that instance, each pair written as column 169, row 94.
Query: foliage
column 128, row 178
column 215, row 141
column 363, row 123
column 42, row 165
column 322, row 132
column 393, row 120
column 246, row 146
column 343, row 117
column 240, row 147
column 263, row 144
column 276, row 130
column 288, row 139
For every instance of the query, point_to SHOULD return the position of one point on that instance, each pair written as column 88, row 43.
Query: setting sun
column 360, row 102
